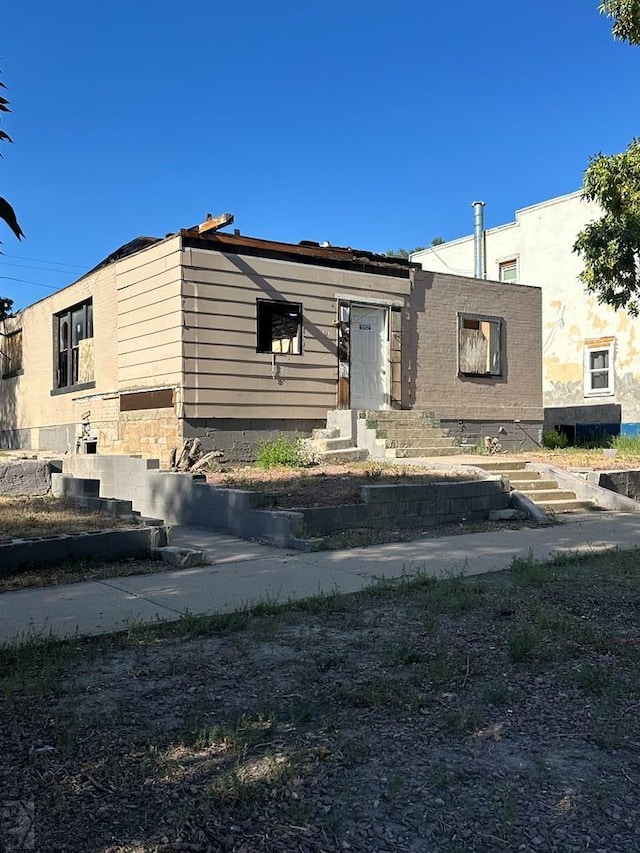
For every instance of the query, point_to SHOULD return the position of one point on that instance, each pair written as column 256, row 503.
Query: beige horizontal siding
column 223, row 371
column 149, row 337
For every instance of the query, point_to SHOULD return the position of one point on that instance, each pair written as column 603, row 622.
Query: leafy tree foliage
column 625, row 15
column 7, row 213
column 403, row 253
column 610, row 246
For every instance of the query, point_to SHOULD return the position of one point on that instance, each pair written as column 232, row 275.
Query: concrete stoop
column 540, row 488
column 412, row 434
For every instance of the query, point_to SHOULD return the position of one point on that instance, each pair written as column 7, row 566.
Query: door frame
column 392, row 319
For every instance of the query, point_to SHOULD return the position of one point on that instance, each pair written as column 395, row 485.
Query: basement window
column 73, row 336
column 479, row 346
column 11, row 354
column 279, row 327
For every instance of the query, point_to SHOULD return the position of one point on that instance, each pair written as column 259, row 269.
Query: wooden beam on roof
column 212, row 223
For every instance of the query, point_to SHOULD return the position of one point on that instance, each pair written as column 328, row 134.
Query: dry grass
column 577, row 457
column 324, row 485
column 22, row 517
column 497, row 713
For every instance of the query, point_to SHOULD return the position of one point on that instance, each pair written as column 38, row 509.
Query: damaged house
column 235, row 339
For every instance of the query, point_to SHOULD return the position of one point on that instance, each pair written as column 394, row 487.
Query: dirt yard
column 324, row 485
column 493, row 714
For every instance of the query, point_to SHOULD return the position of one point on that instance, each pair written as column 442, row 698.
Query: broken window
column 480, row 346
column 11, row 348
column 279, row 327
column 73, row 332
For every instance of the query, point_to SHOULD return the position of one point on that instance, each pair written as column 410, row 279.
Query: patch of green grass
column 405, row 653
column 464, row 720
column 522, row 642
column 626, row 445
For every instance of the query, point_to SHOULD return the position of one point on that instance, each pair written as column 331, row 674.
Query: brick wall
column 430, row 344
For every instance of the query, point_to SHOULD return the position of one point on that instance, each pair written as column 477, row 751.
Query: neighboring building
column 590, row 353
column 234, row 339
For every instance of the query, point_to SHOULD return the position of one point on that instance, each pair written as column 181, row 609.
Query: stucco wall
column 541, row 240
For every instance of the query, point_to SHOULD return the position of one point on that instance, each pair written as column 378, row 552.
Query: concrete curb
column 135, row 542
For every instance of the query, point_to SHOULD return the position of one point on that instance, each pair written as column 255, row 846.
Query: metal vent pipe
column 478, row 237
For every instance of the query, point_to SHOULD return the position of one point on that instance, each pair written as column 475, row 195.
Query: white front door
column 369, row 358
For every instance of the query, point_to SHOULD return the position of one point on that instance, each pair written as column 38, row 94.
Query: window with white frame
column 508, row 271
column 598, row 368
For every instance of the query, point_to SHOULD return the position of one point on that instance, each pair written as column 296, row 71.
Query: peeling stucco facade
column 579, row 335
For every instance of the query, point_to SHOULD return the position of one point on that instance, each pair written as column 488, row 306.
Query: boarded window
column 11, row 346
column 73, row 331
column 279, row 327
column 480, row 346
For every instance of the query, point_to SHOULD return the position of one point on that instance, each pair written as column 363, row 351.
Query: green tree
column 403, row 253
column 610, row 246
column 7, row 213
column 625, row 15
column 437, row 241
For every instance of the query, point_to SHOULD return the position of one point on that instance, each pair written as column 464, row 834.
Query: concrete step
column 566, row 506
column 322, row 445
column 437, row 440
column 353, row 454
column 520, row 475
column 542, row 497
column 534, row 485
column 451, row 450
column 325, row 433
column 408, row 433
column 503, row 465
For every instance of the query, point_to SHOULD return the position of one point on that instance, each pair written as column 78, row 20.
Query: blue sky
column 373, row 125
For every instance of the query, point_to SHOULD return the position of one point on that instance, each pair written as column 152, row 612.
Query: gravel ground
column 491, row 714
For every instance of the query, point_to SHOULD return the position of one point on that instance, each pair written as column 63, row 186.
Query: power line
column 42, row 269
column 41, row 261
column 37, row 283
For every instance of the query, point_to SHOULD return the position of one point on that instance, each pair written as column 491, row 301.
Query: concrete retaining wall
column 625, row 483
column 27, row 477
column 410, row 506
column 187, row 499
column 136, row 542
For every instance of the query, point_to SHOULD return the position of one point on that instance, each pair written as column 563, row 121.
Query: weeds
column 282, row 451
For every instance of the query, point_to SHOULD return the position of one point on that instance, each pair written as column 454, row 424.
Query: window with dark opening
column 74, row 357
column 480, row 346
column 279, row 327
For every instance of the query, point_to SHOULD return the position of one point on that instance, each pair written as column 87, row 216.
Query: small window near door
column 598, row 369
column 279, row 327
column 508, row 271
column 480, row 346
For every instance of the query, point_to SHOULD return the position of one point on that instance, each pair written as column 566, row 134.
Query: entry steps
column 402, row 434
column 545, row 494
column 409, row 434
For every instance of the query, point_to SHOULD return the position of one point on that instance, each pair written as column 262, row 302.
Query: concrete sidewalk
column 242, row 573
